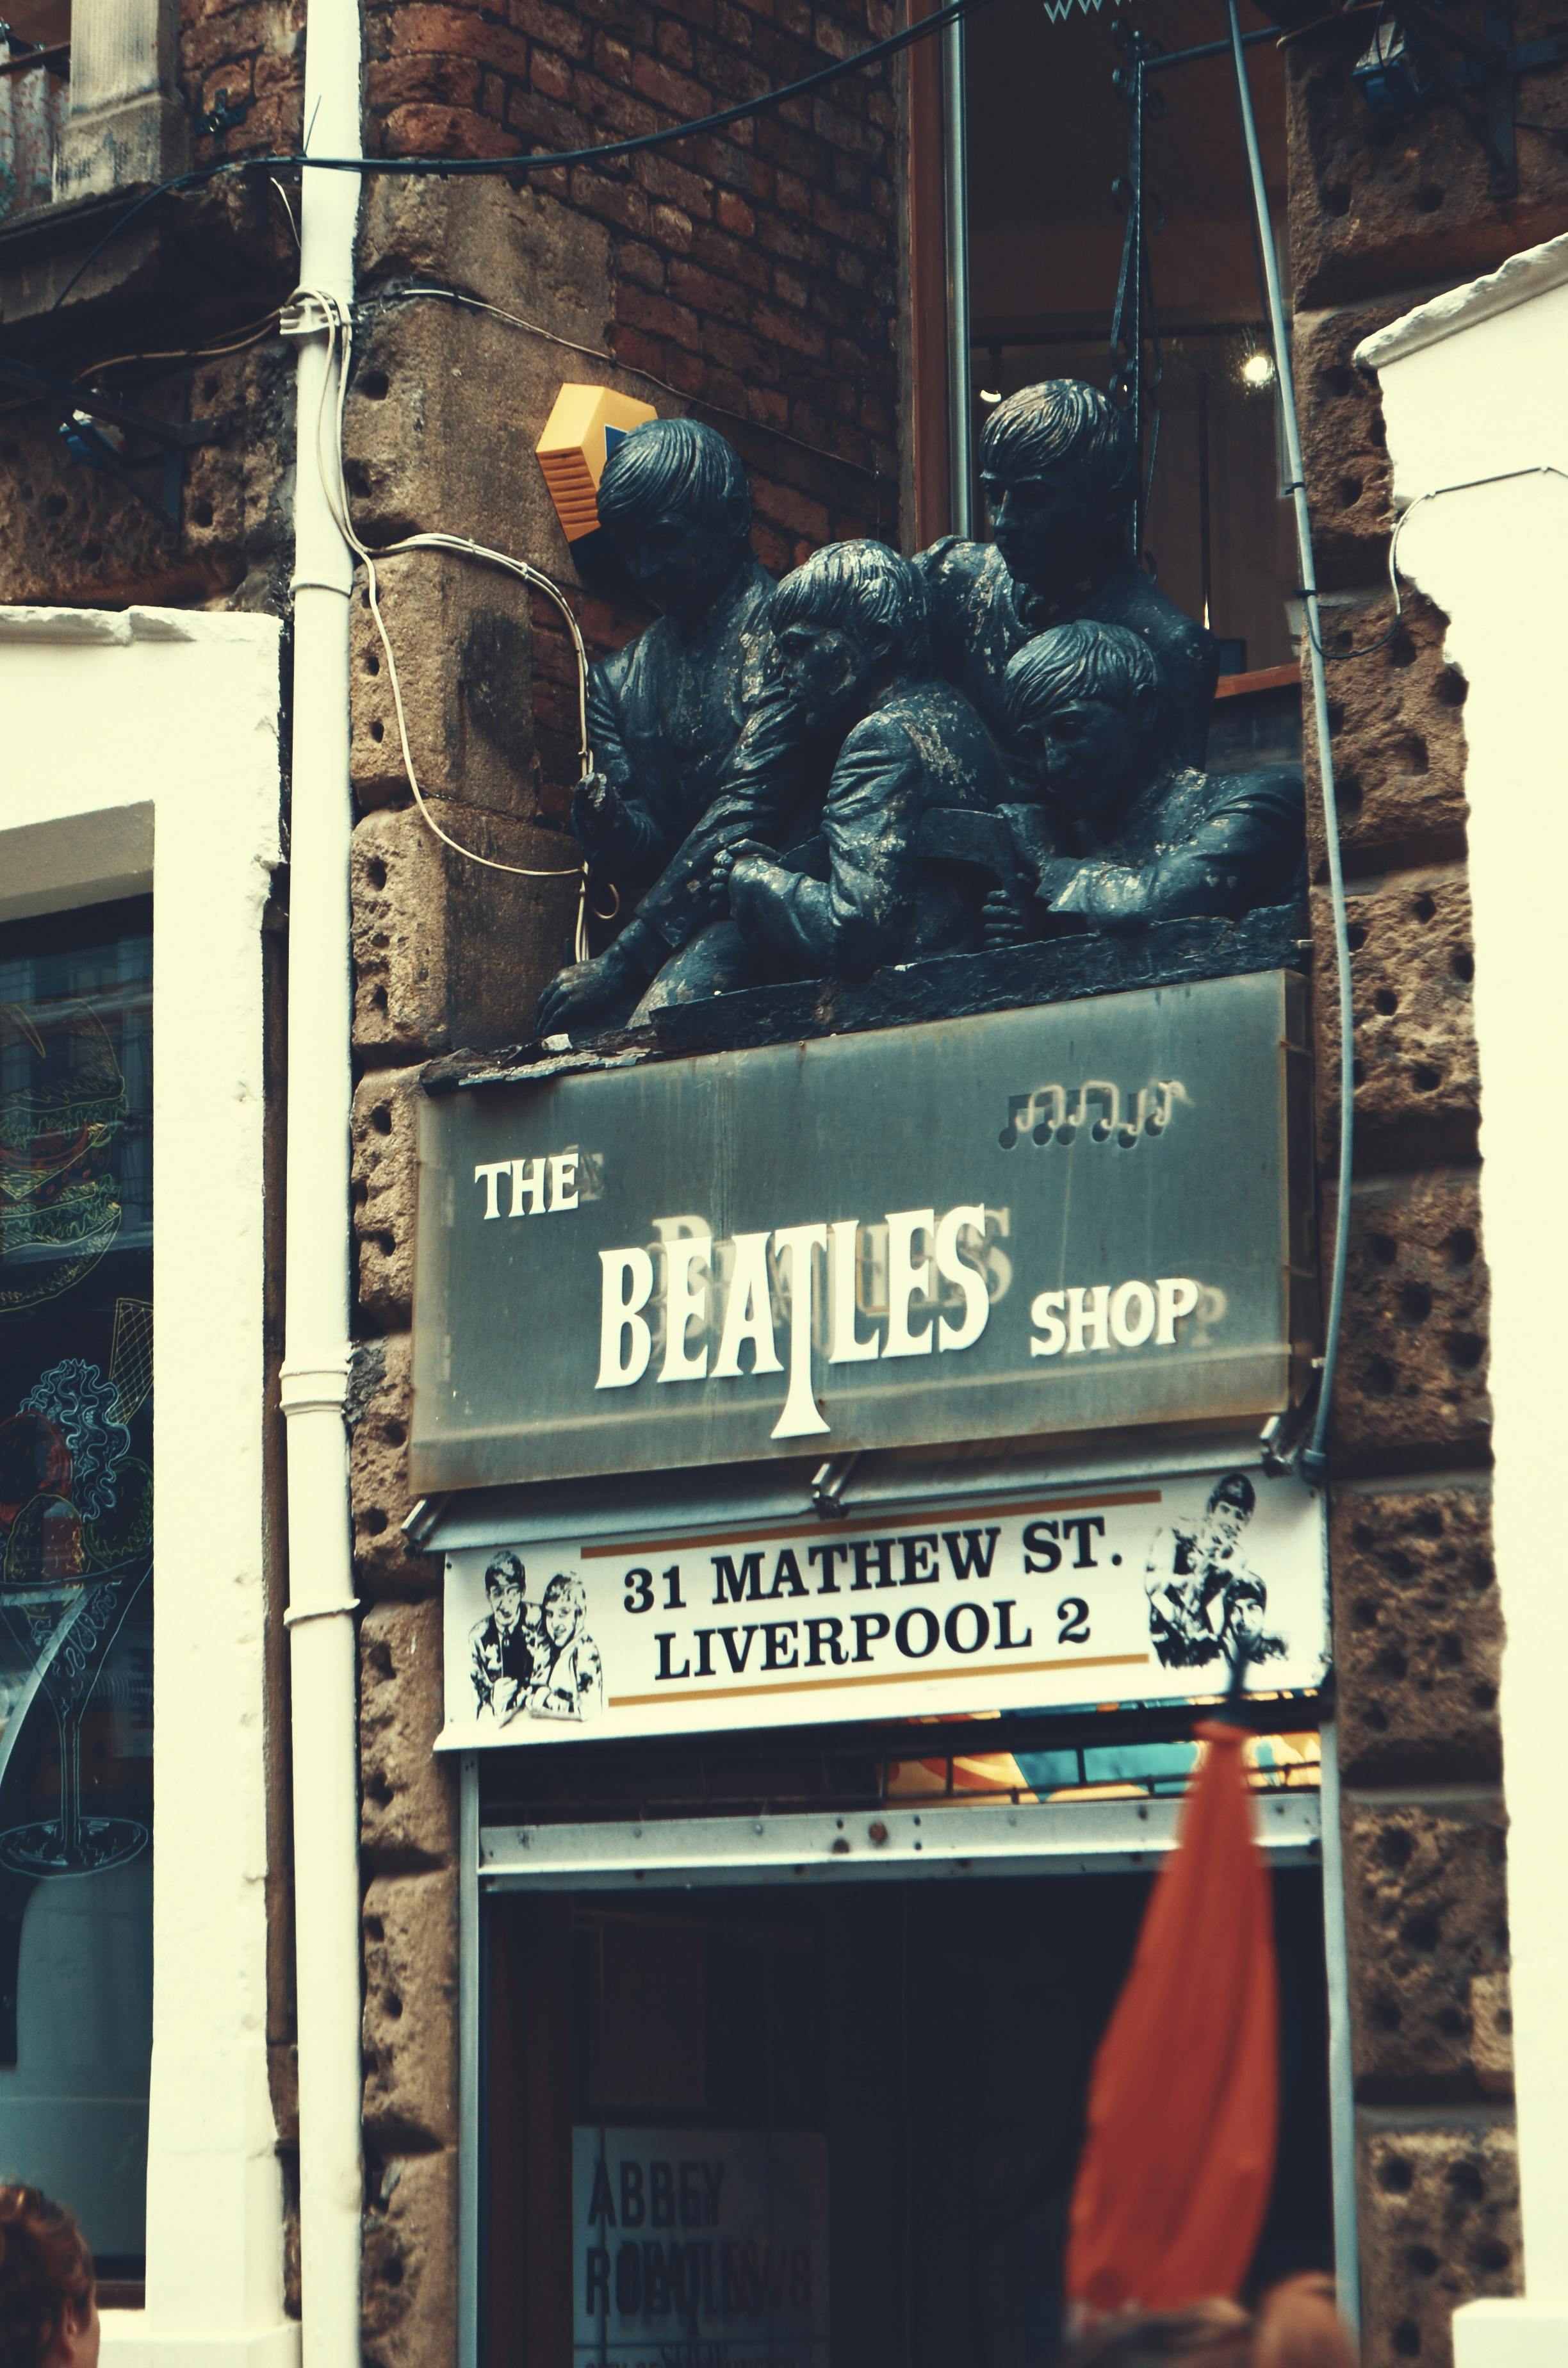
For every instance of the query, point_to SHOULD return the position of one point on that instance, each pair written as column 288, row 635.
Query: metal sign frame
column 1044, row 1222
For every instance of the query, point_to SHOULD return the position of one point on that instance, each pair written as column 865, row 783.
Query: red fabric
column 1184, row 2101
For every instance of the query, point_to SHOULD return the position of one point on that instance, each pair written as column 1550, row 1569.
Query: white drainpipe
column 315, row 1368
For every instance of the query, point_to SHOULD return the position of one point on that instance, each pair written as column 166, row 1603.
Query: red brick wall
column 753, row 271
column 754, row 268
column 255, row 53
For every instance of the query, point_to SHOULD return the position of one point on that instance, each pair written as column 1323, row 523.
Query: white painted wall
column 141, row 750
column 1473, row 386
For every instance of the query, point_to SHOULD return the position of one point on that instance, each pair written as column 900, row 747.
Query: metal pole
column 1313, row 1462
column 1341, row 2066
column 955, row 172
column 469, row 1943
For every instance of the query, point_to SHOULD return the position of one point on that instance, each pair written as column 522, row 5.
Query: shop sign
column 1063, row 1219
column 699, row 2249
column 1135, row 1591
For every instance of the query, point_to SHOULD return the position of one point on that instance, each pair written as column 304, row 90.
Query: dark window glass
column 76, row 1565
column 1047, row 146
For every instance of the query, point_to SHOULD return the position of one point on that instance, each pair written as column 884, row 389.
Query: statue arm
column 1244, row 855
column 853, row 920
column 751, row 803
column 612, row 818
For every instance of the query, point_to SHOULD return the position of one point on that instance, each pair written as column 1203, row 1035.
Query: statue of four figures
column 881, row 759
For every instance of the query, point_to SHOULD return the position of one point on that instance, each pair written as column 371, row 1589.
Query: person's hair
column 1299, row 2326
column 1065, row 425
column 504, row 1567
column 675, row 464
column 566, row 1583
column 44, row 2266
column 1236, row 1489
column 1214, row 2334
column 860, row 588
column 1082, row 660
column 1296, row 2326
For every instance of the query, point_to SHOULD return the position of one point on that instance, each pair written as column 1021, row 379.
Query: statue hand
column 589, row 995
column 755, row 884
column 599, row 815
column 1004, row 923
column 738, row 850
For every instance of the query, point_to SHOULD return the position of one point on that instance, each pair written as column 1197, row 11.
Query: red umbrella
column 1184, row 2101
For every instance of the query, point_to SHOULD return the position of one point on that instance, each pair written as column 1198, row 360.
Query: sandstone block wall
column 1379, row 218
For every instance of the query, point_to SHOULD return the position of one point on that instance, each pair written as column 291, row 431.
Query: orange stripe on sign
column 876, row 1677
column 892, row 1521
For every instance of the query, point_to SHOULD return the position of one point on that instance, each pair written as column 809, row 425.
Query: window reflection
column 76, row 1565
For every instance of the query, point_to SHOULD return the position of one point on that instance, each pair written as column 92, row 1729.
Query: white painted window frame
column 141, row 752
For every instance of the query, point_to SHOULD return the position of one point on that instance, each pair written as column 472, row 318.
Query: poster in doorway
column 1149, row 1589
column 693, row 2247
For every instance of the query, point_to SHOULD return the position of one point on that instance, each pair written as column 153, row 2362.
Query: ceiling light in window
column 1257, row 370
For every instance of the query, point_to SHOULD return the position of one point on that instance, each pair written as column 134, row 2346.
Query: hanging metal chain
column 1137, row 365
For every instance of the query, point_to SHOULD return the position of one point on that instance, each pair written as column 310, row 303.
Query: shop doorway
column 894, row 2071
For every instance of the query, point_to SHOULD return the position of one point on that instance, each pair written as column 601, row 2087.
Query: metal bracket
column 344, row 1610
column 305, row 315
column 828, row 1483
column 1137, row 367
column 221, row 116
column 142, row 440
column 942, row 1840
column 1427, row 56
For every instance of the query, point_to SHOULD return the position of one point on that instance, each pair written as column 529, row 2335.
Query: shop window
column 855, row 2141
column 1047, row 140
column 77, row 1566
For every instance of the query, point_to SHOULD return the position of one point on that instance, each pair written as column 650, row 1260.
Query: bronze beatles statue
column 881, row 760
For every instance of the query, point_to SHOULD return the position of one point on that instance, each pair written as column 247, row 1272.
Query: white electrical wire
column 340, row 340
column 1465, row 486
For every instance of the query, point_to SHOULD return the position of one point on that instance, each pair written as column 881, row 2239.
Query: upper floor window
column 1051, row 154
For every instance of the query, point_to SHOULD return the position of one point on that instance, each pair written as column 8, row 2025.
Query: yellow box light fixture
column 585, row 427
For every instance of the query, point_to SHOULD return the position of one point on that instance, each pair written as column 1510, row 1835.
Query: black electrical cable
column 606, row 152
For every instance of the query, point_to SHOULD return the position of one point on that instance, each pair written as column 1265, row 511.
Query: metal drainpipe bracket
column 828, row 1483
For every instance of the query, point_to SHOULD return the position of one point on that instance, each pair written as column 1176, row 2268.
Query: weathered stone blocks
column 1393, row 206
column 1427, row 1916
column 408, row 1805
column 1418, row 1073
column 459, row 635
column 381, row 1415
column 1439, row 2225
column 1398, row 733
column 410, row 2263
column 445, row 413
column 385, row 1134
column 489, row 239
column 410, row 1924
column 1343, row 444
column 452, row 953
column 1412, row 1381
column 1417, row 1633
